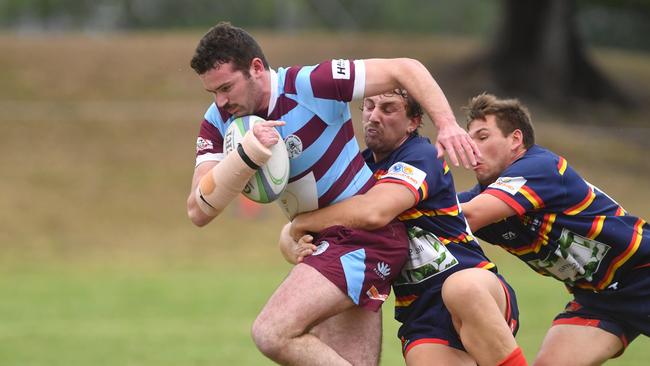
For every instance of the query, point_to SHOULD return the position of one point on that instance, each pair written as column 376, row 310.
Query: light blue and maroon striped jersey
column 565, row 227
column 326, row 164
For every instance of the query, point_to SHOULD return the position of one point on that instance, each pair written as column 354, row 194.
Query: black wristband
column 245, row 158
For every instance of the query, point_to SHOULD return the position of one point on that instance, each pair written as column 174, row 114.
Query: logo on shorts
column 322, row 247
column 382, row 270
column 374, row 294
column 509, row 235
column 294, row 146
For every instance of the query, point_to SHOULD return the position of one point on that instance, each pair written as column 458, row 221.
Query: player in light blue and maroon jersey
column 326, row 167
column 533, row 204
column 452, row 304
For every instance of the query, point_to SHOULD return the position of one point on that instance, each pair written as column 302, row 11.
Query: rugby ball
column 271, row 179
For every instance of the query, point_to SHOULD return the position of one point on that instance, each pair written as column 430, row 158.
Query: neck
column 265, row 95
column 520, row 152
column 381, row 155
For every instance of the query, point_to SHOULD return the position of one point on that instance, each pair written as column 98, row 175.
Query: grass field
column 99, row 264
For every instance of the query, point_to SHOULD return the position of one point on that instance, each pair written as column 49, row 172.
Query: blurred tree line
column 613, row 23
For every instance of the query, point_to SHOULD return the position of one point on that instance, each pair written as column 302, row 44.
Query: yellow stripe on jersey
column 596, row 227
column 531, row 196
column 425, row 190
column 542, row 238
column 405, row 300
column 582, row 205
column 462, row 238
column 623, row 257
column 414, row 213
column 561, row 166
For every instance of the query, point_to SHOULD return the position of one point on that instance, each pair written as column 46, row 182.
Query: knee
column 461, row 292
column 267, row 340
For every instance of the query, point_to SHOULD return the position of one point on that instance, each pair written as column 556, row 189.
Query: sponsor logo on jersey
column 341, row 69
column 407, row 173
column 321, row 248
column 509, row 184
column 294, row 146
column 374, row 294
column 203, row 144
column 382, row 270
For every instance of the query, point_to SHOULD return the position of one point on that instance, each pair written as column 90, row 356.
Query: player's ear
column 517, row 138
column 257, row 66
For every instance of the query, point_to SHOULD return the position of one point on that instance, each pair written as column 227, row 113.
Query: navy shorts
column 363, row 264
column 623, row 309
column 430, row 322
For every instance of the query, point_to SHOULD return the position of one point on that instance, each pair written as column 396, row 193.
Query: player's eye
column 368, row 106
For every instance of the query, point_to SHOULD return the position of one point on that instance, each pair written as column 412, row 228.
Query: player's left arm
column 383, row 75
column 368, row 211
column 485, row 209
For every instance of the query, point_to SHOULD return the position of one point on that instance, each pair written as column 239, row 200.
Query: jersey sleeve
column 209, row 144
column 468, row 195
column 530, row 185
column 341, row 80
column 417, row 171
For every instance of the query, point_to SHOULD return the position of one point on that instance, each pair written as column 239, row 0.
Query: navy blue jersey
column 565, row 227
column 441, row 242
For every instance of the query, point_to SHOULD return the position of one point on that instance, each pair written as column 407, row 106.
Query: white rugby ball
column 271, row 179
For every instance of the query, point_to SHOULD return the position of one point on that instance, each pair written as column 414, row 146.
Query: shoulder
column 536, row 161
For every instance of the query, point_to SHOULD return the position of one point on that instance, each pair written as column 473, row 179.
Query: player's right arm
column 216, row 183
column 194, row 212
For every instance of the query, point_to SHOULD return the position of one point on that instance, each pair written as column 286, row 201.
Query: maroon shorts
column 363, row 264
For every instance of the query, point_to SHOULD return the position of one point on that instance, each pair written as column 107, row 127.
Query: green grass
column 99, row 264
column 189, row 315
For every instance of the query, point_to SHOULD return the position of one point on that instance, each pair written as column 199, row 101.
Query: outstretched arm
column 383, row 75
column 369, row 211
column 485, row 209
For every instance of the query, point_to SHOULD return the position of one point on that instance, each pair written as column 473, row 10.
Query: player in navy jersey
column 533, row 204
column 453, row 306
column 329, row 291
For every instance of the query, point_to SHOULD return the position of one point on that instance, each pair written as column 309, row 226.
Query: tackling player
column 325, row 167
column 532, row 203
column 454, row 307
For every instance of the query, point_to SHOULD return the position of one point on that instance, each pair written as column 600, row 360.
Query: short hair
column 225, row 43
column 510, row 115
column 413, row 108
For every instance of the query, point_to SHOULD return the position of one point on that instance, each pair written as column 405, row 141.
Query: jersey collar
column 274, row 92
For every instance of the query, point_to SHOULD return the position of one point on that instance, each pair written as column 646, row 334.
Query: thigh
column 431, row 354
column 303, row 299
column 355, row 334
column 577, row 345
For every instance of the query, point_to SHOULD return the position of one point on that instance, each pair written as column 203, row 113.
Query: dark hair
column 225, row 43
column 510, row 115
column 413, row 108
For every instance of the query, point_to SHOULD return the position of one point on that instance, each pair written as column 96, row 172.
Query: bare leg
column 577, row 345
column 355, row 334
column 304, row 299
column 429, row 354
column 477, row 301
